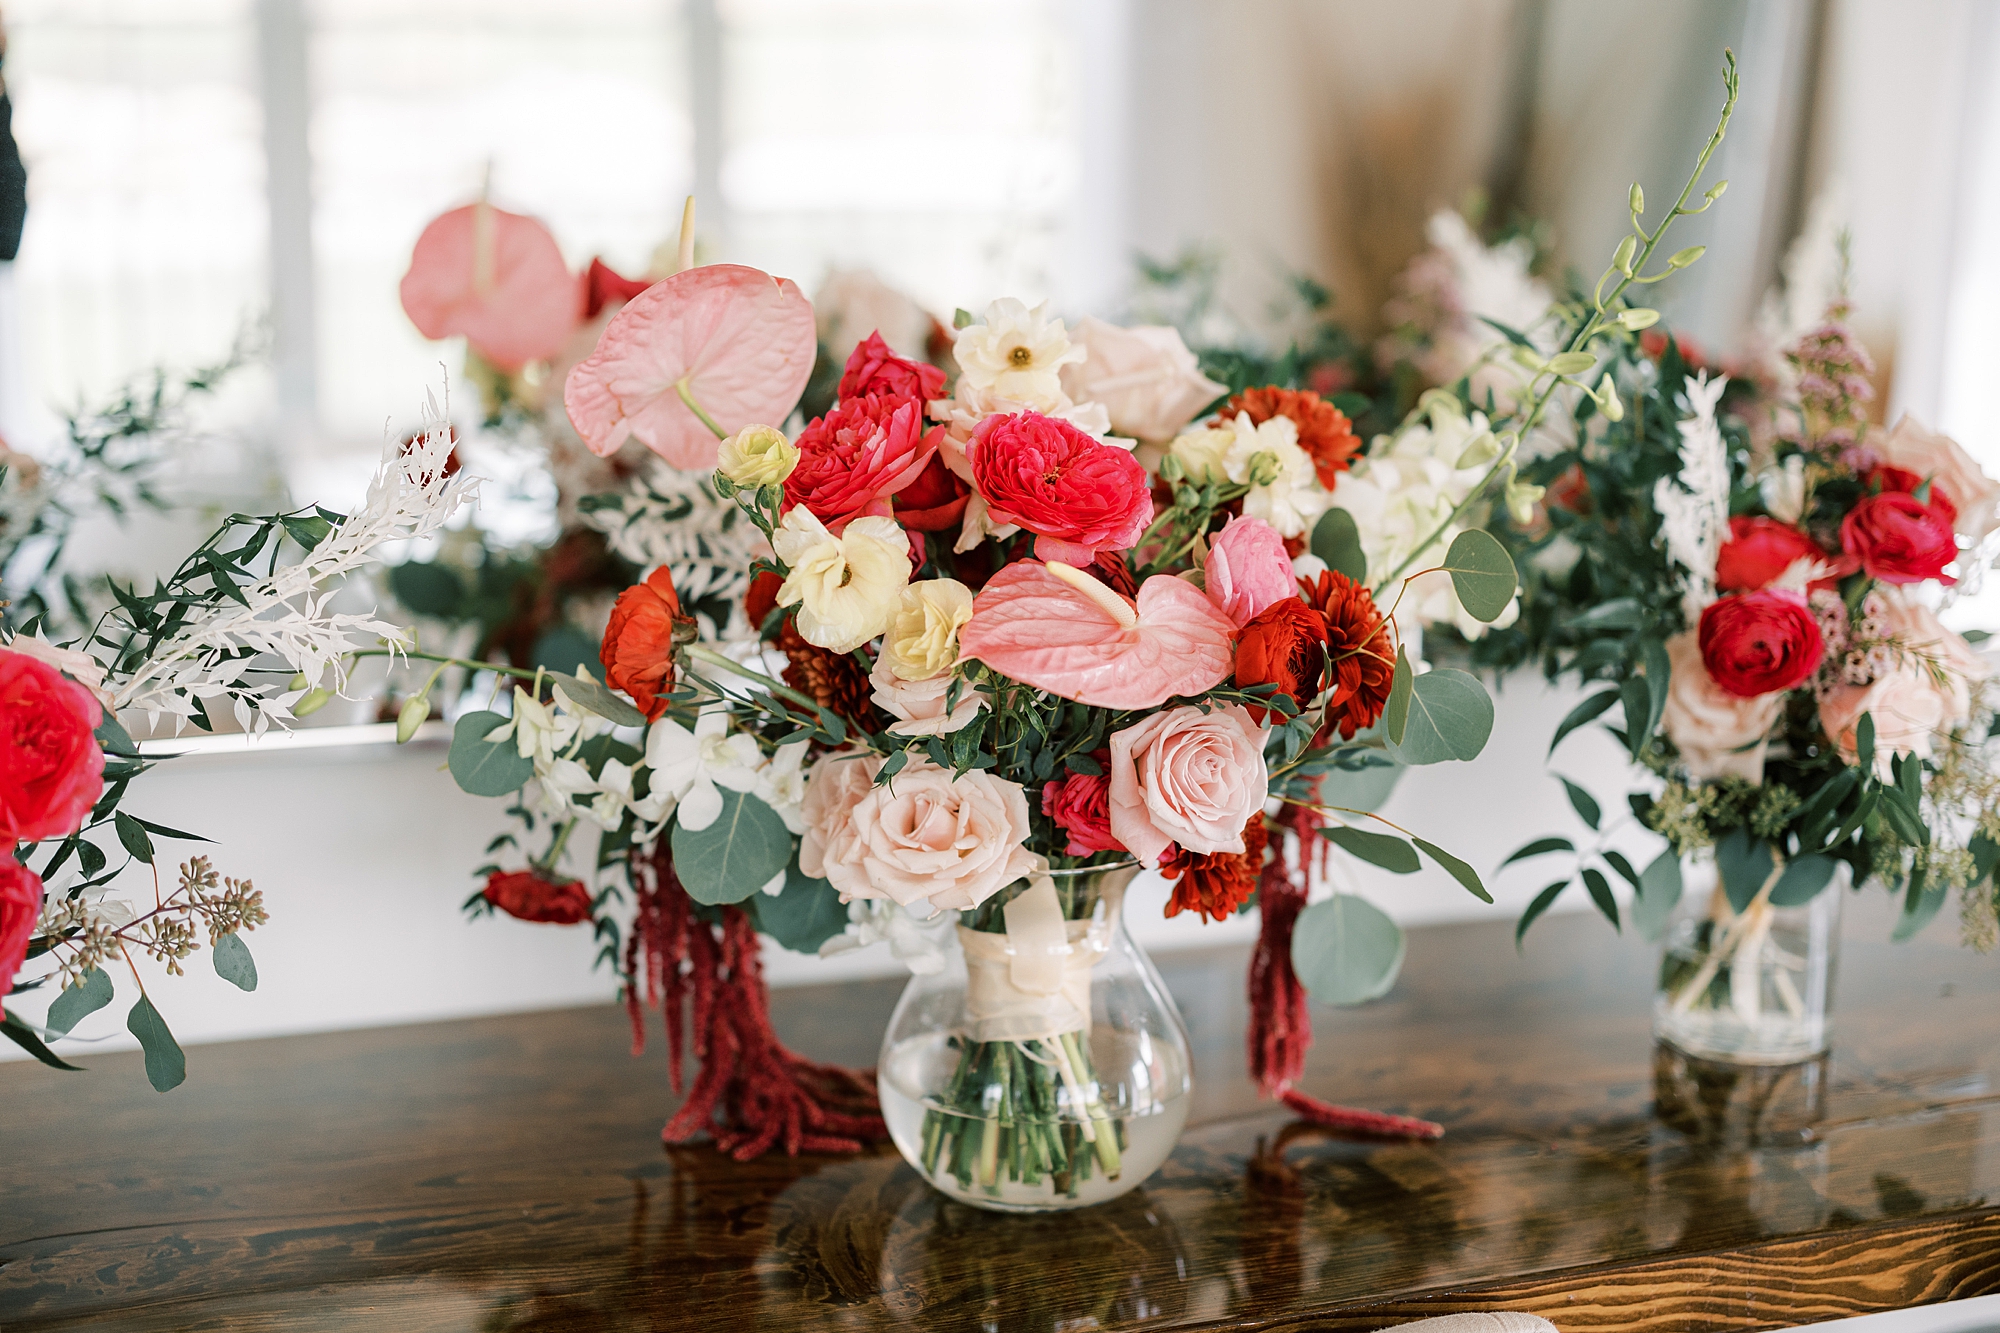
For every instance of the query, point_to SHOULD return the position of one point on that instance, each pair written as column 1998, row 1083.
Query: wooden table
column 506, row 1174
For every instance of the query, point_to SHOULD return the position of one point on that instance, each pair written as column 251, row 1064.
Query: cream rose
column 922, row 836
column 1909, row 703
column 757, row 456
column 847, row 588
column 1203, row 454
column 1186, row 777
column 922, row 640
column 1719, row 734
column 833, row 787
column 81, row 667
column 919, row 705
column 1928, row 454
column 1149, row 382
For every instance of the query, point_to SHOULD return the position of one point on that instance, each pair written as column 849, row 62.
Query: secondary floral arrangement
column 242, row 632
column 1756, row 579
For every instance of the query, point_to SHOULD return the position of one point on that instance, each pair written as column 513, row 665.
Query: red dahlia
column 1361, row 656
column 1216, row 884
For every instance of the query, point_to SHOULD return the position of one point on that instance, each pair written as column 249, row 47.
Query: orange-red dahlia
column 1361, row 656
column 638, row 648
column 1324, row 430
column 1216, row 884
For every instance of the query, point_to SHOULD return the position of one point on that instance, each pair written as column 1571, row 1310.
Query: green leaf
column 114, row 739
column 1659, row 894
column 1917, row 915
column 1337, row 541
column 1450, row 716
column 1482, row 574
column 428, row 588
column 1367, row 788
column 1537, row 907
column 166, row 1066
column 1456, row 868
column 483, row 767
column 1985, row 853
column 806, row 915
column 21, row 1035
column 233, row 962
column 1619, row 613
column 1617, row 861
column 587, row 693
column 1637, row 698
column 1744, row 864
column 1659, row 682
column 132, row 835
column 79, row 1002
column 1904, row 820
column 1582, row 802
column 1402, row 689
column 1600, row 893
column 1375, row 848
column 1346, row 950
column 309, row 531
column 1590, row 708
column 1539, row 847
column 1802, row 880
column 743, row 850
column 1864, row 742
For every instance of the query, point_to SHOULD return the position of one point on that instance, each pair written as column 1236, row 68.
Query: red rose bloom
column 1758, row 551
column 1080, row 804
column 934, row 502
column 1216, row 884
column 638, row 648
column 858, row 455
column 874, row 369
column 1759, row 642
column 1324, row 430
column 1077, row 496
column 1359, row 653
column 1899, row 539
column 760, row 599
column 20, row 908
column 527, row 894
column 1285, row 645
column 1888, row 477
column 51, row 769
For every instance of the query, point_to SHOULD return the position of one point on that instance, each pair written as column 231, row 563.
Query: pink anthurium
column 693, row 359
column 1058, row 629
column 496, row 278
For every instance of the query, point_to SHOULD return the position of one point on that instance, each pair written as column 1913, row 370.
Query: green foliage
column 483, row 767
column 1744, row 864
column 233, row 962
column 166, row 1066
column 1482, row 573
column 588, row 693
column 805, row 915
column 1449, row 716
column 1346, row 951
column 23, row 1036
column 1337, row 541
column 1392, row 854
column 745, row 848
column 1659, row 894
column 79, row 1002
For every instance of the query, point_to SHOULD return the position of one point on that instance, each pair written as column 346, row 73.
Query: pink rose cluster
column 873, row 445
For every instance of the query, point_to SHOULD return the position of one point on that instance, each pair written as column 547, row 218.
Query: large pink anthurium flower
column 496, row 278
column 723, row 342
column 1058, row 629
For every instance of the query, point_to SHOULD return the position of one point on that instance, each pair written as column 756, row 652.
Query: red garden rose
column 874, row 369
column 531, row 896
column 1758, row 551
column 1080, row 804
column 935, row 501
column 51, row 769
column 858, row 455
column 1899, row 539
column 760, row 599
column 1361, row 657
column 1760, row 642
column 1076, row 495
column 638, row 648
column 1285, row 645
column 20, row 908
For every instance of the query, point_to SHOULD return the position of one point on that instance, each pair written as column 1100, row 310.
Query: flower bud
column 1483, row 450
column 1171, row 469
column 1715, row 191
column 1638, row 317
column 1638, row 198
column 413, row 715
column 1682, row 258
column 1607, row 399
column 1621, row 258
column 1523, row 496
column 757, row 456
column 298, row 683
column 1571, row 363
column 1528, row 357
column 314, row 700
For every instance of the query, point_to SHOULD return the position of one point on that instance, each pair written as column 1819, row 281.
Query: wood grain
column 506, row 1174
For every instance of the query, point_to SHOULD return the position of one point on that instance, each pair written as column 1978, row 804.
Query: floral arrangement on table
column 1758, row 583
column 243, row 631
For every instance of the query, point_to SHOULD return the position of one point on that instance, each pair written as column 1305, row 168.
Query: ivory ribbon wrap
column 1033, row 982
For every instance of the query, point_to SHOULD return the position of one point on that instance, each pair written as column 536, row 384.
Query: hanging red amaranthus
column 1280, row 1023
column 765, row 1094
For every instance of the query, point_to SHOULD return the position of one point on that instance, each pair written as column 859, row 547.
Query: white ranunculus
column 847, row 588
column 1016, row 352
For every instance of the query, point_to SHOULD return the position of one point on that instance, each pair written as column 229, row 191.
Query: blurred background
column 204, row 175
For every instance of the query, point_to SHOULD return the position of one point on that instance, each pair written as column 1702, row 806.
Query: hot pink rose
column 1189, row 778
column 858, row 455
column 1080, row 804
column 874, row 369
column 20, row 909
column 1076, row 495
column 51, row 770
column 1248, row 570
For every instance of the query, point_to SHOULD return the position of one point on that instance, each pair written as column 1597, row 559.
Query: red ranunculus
column 20, row 909
column 934, row 502
column 1076, row 495
column 1888, row 477
column 638, row 648
column 858, row 455
column 761, row 598
column 532, row 896
column 51, row 769
column 1899, row 539
column 1283, row 645
column 1758, row 551
column 1080, row 804
column 874, row 369
column 1760, row 642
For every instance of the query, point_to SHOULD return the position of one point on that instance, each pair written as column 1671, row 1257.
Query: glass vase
column 1044, row 1067
column 1753, row 987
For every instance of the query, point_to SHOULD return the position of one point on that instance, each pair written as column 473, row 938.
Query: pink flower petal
column 1032, row 626
column 524, row 310
column 742, row 339
column 1248, row 570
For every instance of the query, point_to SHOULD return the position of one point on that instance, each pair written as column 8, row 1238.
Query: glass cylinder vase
column 1044, row 1066
column 1753, row 987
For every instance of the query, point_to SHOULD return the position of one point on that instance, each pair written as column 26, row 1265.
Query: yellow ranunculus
column 847, row 588
column 922, row 641
column 1202, row 453
column 757, row 456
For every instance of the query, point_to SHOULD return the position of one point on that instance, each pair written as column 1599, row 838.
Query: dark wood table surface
column 507, row 1174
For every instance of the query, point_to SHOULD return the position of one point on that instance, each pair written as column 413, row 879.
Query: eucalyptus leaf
column 1542, row 902
column 1744, row 864
column 1457, row 869
column 1337, row 541
column 745, row 847
column 805, row 915
column 1392, row 854
column 1804, row 877
column 1539, row 847
column 233, row 962
column 1582, row 802
column 1600, row 893
column 79, row 1002
column 1450, row 716
column 1659, row 893
column 589, row 694
column 1482, row 573
column 1402, row 688
column 483, row 767
column 166, row 1066
column 1346, row 950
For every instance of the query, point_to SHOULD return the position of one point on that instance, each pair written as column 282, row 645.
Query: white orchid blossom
column 688, row 765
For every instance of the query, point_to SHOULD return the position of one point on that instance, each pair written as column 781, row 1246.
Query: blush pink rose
column 1248, row 570
column 1148, row 381
column 1909, row 705
column 51, row 769
column 1078, row 496
column 919, row 706
column 1718, row 734
column 836, row 783
column 20, row 909
column 858, row 455
column 1186, row 778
